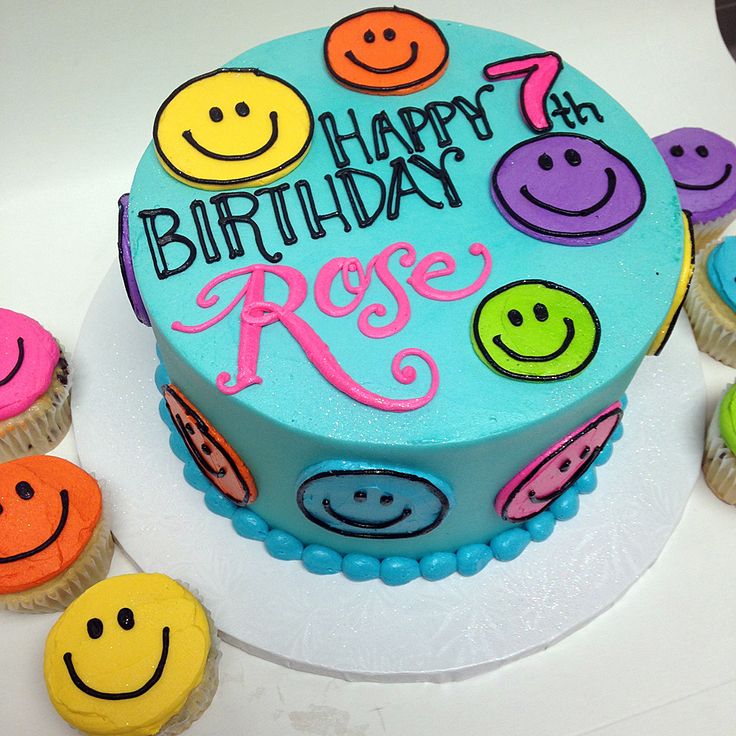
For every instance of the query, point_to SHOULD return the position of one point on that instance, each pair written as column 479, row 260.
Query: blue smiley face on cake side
column 377, row 503
column 567, row 189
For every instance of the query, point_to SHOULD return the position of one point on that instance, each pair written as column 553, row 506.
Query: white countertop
column 80, row 83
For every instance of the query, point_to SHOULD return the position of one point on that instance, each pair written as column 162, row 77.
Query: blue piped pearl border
column 320, row 560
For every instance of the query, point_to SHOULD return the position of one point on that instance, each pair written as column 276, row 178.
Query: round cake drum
column 422, row 631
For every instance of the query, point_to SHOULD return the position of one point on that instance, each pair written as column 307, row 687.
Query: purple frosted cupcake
column 703, row 165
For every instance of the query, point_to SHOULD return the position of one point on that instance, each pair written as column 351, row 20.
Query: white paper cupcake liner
column 43, row 425
column 89, row 568
column 201, row 697
column 719, row 463
column 708, row 233
column 714, row 324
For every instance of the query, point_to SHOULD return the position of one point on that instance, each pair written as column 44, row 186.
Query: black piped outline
column 550, row 285
column 528, row 71
column 64, row 495
column 436, row 73
column 429, row 486
column 705, row 187
column 250, row 492
column 327, row 506
column 514, row 217
column 18, row 363
column 142, row 690
column 577, row 474
column 192, row 141
column 671, row 325
column 244, row 180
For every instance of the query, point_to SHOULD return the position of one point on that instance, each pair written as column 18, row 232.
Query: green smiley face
column 535, row 330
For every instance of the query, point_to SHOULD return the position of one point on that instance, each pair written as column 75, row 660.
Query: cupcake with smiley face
column 703, row 166
column 134, row 655
column 34, row 388
column 53, row 540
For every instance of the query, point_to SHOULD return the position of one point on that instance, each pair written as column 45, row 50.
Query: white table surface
column 80, row 83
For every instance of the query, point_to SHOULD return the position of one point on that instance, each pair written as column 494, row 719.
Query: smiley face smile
column 602, row 202
column 569, row 336
column 365, row 524
column 273, row 116
column 414, row 46
column 155, row 677
column 18, row 363
column 705, row 187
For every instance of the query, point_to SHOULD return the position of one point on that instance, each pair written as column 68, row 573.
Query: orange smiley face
column 48, row 512
column 386, row 51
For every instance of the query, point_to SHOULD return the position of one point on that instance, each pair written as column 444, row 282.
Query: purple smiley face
column 567, row 189
column 703, row 166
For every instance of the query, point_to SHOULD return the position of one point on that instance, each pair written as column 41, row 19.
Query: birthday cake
column 400, row 274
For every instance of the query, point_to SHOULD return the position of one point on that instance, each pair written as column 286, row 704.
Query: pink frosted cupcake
column 34, row 388
column 703, row 165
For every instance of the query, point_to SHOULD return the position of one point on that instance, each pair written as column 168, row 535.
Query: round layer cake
column 398, row 271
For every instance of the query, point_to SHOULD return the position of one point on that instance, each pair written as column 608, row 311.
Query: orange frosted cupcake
column 34, row 388
column 53, row 541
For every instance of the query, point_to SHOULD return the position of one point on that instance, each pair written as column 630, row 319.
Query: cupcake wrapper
column 201, row 697
column 714, row 332
column 719, row 464
column 89, row 568
column 43, row 425
column 707, row 233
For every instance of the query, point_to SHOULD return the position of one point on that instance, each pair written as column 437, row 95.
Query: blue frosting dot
column 472, row 558
column 219, row 504
column 624, row 402
column 161, row 376
column 605, row 454
column 618, row 433
column 361, row 567
column 438, row 565
column 566, row 506
column 249, row 525
column 282, row 545
column 399, row 570
column 194, row 476
column 510, row 544
column 541, row 526
column 321, row 560
column 587, row 482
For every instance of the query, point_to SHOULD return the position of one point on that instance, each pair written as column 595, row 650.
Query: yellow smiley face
column 124, row 657
column 232, row 128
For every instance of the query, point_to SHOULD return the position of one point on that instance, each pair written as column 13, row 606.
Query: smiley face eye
column 387, row 499
column 585, row 452
column 541, row 312
column 216, row 114
column 206, row 449
column 545, row 162
column 702, row 151
column 94, row 628
column 242, row 109
column 389, row 34
column 572, row 157
column 369, row 37
column 677, row 151
column 189, row 428
column 24, row 490
column 565, row 465
column 515, row 318
column 360, row 496
column 126, row 620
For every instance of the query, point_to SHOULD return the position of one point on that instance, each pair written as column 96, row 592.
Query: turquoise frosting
column 481, row 427
column 722, row 271
column 468, row 560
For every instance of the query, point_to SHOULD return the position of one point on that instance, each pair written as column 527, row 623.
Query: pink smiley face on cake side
column 28, row 356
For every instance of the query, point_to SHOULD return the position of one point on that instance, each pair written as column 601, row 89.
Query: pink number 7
column 539, row 72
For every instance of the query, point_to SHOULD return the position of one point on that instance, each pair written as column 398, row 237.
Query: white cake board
column 447, row 630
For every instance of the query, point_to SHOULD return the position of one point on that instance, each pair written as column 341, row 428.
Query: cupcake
column 711, row 301
column 719, row 463
column 34, row 388
column 703, row 165
column 54, row 543
column 134, row 655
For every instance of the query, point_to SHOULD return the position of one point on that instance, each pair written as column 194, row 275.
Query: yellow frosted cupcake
column 719, row 463
column 34, row 388
column 134, row 655
column 54, row 542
